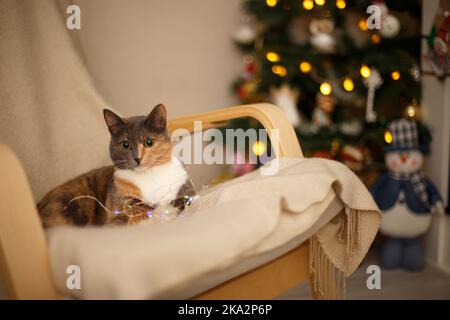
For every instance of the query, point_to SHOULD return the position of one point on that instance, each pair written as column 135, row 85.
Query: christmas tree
column 340, row 69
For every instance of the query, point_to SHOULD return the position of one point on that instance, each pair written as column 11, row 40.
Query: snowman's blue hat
column 402, row 135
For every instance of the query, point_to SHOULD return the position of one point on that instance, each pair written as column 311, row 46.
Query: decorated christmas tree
column 340, row 69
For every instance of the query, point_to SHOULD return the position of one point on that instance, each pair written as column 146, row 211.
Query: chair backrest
column 51, row 115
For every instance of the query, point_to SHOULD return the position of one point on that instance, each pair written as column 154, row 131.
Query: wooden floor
column 428, row 284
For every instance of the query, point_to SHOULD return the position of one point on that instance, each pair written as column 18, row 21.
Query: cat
column 144, row 174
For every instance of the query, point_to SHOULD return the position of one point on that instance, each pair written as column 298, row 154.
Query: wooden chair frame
column 24, row 254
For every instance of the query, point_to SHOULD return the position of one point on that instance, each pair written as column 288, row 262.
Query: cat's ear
column 157, row 119
column 113, row 121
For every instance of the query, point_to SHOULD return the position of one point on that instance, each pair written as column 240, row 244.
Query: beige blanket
column 50, row 113
column 226, row 229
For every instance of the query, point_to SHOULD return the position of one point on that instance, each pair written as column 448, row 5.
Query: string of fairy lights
column 309, row 4
column 305, row 67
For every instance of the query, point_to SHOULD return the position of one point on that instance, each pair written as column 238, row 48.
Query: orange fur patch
column 127, row 188
column 160, row 154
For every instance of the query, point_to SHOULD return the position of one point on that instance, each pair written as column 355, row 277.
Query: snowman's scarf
column 418, row 182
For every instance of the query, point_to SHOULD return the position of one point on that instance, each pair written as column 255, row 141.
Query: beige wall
column 436, row 104
column 180, row 53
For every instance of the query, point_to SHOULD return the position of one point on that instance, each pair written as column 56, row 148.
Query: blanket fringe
column 327, row 280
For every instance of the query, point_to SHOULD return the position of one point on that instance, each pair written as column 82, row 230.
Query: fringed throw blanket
column 230, row 229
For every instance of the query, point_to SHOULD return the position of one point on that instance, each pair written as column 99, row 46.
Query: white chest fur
column 158, row 185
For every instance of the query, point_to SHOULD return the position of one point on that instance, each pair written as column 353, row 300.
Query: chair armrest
column 24, row 262
column 270, row 117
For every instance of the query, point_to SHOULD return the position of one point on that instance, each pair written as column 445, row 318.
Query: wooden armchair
column 24, row 254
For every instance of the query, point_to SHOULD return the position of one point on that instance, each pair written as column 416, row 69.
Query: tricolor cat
column 143, row 170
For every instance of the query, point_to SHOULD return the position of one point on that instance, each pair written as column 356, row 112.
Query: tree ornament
column 322, row 36
column 438, row 44
column 249, row 67
column 323, row 111
column 355, row 26
column 324, row 154
column 390, row 25
column 352, row 127
column 298, row 30
column 354, row 157
column 414, row 71
column 247, row 89
column 372, row 83
column 246, row 33
column 286, row 98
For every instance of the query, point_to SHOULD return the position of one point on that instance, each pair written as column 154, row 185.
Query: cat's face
column 139, row 143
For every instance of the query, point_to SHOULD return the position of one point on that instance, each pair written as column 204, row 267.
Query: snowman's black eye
column 125, row 145
column 149, row 142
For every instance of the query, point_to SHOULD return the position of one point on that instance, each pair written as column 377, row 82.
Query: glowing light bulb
column 362, row 24
column 348, row 84
column 259, row 148
column 341, row 4
column 388, row 137
column 271, row 3
column 365, row 71
column 305, row 67
column 325, row 88
column 375, row 38
column 279, row 70
column 395, row 75
column 320, row 2
column 273, row 57
column 308, row 4
column 411, row 111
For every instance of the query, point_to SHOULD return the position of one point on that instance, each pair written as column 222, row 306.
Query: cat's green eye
column 149, row 142
column 125, row 145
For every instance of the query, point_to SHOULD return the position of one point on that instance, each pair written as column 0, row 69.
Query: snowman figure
column 406, row 198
